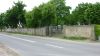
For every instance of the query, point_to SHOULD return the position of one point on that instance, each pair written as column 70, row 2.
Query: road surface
column 37, row 46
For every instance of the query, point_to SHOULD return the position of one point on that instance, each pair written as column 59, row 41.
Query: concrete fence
column 70, row 31
column 80, row 31
column 32, row 31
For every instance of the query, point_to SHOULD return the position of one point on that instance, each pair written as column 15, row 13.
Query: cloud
column 6, row 4
column 74, row 3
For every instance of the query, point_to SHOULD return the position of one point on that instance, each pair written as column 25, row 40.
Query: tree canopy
column 86, row 14
column 52, row 13
column 15, row 15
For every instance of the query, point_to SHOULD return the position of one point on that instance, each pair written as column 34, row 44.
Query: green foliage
column 28, row 16
column 79, row 12
column 61, row 11
column 51, row 13
column 86, row 14
column 55, row 12
column 97, row 30
column 2, row 21
column 16, row 15
column 93, row 14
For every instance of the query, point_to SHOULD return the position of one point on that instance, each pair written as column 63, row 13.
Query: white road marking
column 14, row 51
column 18, row 38
column 54, row 46
column 30, row 41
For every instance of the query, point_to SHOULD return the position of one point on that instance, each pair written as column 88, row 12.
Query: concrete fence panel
column 33, row 31
column 80, row 31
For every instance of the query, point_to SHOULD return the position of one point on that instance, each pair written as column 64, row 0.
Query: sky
column 6, row 4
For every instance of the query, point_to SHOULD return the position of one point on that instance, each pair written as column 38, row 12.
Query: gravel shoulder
column 5, row 51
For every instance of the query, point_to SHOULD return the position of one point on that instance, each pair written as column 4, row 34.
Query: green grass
column 75, row 38
column 97, row 30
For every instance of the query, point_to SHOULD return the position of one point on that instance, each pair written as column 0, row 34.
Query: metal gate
column 54, row 30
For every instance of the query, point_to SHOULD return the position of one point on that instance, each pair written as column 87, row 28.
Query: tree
column 21, row 12
column 36, row 17
column 61, row 11
column 79, row 12
column 48, row 14
column 15, row 15
column 1, row 21
column 92, row 14
column 28, row 17
column 51, row 13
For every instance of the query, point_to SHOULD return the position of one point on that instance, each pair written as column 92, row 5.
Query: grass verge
column 75, row 38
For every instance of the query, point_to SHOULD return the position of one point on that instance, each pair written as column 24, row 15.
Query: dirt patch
column 5, row 51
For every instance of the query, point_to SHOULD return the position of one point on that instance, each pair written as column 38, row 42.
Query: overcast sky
column 6, row 4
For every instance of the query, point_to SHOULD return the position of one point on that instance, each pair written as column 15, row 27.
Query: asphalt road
column 37, row 46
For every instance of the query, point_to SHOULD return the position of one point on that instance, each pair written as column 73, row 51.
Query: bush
column 97, row 30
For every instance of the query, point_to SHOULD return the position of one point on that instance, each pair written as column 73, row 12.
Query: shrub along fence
column 97, row 31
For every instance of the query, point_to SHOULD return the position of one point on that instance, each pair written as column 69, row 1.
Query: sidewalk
column 5, row 51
